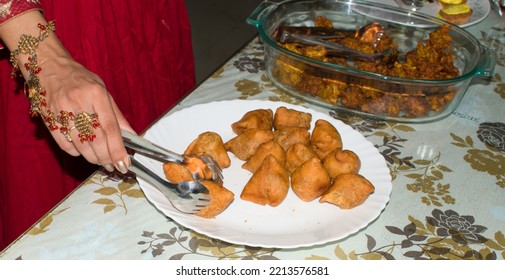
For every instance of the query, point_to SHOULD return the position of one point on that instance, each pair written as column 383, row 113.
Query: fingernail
column 121, row 167
column 127, row 160
column 109, row 167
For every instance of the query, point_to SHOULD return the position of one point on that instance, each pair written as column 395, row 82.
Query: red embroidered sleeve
column 12, row 8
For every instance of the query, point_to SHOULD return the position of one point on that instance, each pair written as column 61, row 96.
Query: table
column 448, row 198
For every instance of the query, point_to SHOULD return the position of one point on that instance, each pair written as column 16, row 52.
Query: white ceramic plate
column 481, row 9
column 293, row 223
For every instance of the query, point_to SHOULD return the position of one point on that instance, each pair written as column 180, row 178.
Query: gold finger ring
column 66, row 132
column 63, row 119
column 85, row 124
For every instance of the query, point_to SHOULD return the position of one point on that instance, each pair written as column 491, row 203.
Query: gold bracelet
column 27, row 44
column 33, row 89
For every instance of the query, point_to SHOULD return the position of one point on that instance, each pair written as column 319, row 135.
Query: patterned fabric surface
column 447, row 200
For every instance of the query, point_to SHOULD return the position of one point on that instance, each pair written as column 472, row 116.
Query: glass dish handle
column 487, row 63
column 252, row 19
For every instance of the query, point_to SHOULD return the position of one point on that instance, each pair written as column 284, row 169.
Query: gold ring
column 66, row 132
column 63, row 119
column 85, row 124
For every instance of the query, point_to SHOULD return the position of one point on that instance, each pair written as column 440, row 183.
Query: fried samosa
column 341, row 162
column 269, row 185
column 291, row 135
column 260, row 118
column 310, row 180
column 220, row 198
column 265, row 149
column 285, row 117
column 348, row 191
column 243, row 146
column 297, row 154
column 176, row 172
column 325, row 138
column 209, row 144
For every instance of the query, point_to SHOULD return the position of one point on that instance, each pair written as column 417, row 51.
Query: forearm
column 27, row 24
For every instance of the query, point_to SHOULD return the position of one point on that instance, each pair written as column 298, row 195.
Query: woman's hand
column 72, row 88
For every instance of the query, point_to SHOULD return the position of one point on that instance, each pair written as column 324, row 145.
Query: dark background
column 219, row 29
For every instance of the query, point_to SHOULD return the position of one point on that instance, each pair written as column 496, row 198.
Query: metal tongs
column 334, row 48
column 370, row 33
column 188, row 196
column 207, row 165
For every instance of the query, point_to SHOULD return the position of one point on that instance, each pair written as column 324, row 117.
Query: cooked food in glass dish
column 368, row 59
column 432, row 59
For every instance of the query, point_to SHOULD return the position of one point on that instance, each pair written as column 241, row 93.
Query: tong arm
column 145, row 173
column 147, row 148
column 341, row 50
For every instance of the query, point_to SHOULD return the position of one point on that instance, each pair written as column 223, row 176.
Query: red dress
column 141, row 49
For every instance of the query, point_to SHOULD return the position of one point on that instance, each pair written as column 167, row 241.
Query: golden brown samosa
column 209, row 144
column 265, row 149
column 285, row 117
column 176, row 172
column 310, row 180
column 341, row 162
column 325, row 138
column 269, row 185
column 291, row 135
column 260, row 118
column 297, row 154
column 348, row 191
column 220, row 198
column 243, row 146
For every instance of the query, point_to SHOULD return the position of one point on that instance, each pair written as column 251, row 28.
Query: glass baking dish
column 380, row 96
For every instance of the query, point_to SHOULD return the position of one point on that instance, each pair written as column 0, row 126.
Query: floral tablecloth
column 447, row 202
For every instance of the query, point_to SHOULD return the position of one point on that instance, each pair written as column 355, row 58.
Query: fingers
column 96, row 137
column 93, row 130
column 65, row 144
column 110, row 119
